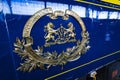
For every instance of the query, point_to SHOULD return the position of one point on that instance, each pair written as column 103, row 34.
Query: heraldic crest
column 34, row 58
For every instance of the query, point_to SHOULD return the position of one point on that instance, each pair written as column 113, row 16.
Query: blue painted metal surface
column 104, row 40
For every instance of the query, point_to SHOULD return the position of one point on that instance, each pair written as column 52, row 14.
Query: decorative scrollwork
column 34, row 58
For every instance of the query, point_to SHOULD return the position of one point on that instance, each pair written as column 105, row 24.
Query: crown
column 60, row 35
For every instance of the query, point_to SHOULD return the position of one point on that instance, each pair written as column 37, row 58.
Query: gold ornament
column 44, row 60
column 62, row 34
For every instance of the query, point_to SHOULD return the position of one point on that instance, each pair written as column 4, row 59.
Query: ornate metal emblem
column 62, row 35
column 34, row 58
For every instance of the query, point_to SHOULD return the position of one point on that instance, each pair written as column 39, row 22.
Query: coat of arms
column 34, row 58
